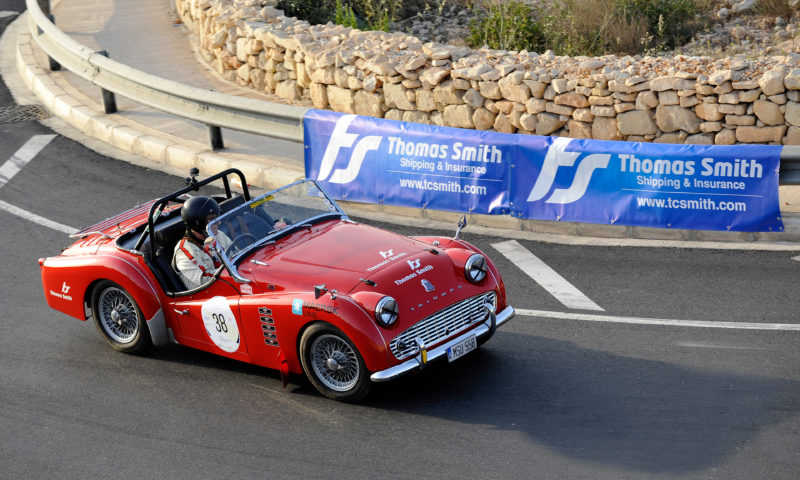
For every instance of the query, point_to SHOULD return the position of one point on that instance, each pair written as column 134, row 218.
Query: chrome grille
column 442, row 324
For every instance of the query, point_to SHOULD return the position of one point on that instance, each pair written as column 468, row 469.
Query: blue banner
column 704, row 187
column 372, row 160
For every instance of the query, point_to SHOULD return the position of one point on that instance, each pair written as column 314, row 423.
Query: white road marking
column 796, row 258
column 716, row 346
column 7, row 13
column 545, row 276
column 36, row 218
column 22, row 156
column 795, row 327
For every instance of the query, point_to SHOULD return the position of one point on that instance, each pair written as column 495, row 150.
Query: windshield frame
column 231, row 263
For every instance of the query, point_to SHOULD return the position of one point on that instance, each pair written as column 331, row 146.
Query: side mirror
column 319, row 290
column 461, row 224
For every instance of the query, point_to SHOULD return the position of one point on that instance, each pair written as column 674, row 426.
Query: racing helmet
column 195, row 211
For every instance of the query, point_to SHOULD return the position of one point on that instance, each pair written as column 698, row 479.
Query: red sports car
column 300, row 287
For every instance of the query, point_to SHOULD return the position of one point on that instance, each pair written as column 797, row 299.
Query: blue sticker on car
column 297, row 306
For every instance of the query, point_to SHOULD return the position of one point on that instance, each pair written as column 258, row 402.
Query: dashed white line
column 7, row 13
column 549, row 279
column 655, row 321
column 36, row 218
column 22, row 156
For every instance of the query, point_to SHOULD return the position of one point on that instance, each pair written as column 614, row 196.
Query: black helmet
column 195, row 211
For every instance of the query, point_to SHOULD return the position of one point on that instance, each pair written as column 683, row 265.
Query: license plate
column 462, row 348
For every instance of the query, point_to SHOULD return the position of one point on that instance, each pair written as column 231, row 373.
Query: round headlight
column 386, row 311
column 475, row 268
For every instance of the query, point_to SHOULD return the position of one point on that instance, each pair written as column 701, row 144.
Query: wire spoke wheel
column 334, row 362
column 119, row 318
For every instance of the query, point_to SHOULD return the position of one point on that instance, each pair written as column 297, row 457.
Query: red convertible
column 301, row 288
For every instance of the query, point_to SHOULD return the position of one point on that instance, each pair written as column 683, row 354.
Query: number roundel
column 220, row 324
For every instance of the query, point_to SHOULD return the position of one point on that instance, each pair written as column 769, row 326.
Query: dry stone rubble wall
column 693, row 100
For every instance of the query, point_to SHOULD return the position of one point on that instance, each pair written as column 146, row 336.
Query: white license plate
column 462, row 348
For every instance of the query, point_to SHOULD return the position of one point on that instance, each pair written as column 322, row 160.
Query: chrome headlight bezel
column 475, row 268
column 387, row 311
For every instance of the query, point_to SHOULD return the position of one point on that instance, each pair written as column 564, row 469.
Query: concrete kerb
column 173, row 154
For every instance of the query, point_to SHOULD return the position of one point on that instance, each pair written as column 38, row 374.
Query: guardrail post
column 52, row 63
column 109, row 100
column 44, row 5
column 215, row 137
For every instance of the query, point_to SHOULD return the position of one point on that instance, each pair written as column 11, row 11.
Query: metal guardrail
column 212, row 108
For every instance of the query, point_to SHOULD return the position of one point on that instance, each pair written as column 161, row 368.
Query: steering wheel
column 234, row 248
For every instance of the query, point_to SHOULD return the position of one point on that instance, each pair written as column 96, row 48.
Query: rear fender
column 68, row 283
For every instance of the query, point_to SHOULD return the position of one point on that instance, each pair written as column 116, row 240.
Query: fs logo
column 386, row 254
column 65, row 288
column 557, row 157
column 414, row 264
column 341, row 139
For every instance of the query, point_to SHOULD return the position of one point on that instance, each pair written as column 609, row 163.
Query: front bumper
column 483, row 329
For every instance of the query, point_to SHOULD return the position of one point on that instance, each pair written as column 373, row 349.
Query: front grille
column 441, row 325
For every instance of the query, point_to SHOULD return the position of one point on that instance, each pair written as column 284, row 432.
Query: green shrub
column 504, row 25
column 363, row 14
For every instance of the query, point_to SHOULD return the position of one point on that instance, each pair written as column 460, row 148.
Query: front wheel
column 333, row 364
column 119, row 319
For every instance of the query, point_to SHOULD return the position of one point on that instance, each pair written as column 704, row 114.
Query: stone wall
column 393, row 75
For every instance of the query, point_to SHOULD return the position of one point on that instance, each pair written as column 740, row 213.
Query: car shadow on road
column 627, row 412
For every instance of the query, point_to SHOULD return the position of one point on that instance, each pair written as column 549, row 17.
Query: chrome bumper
column 491, row 323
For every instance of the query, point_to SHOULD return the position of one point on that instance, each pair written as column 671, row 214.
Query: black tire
column 333, row 364
column 119, row 319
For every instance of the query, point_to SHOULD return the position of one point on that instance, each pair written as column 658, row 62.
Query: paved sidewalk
column 146, row 35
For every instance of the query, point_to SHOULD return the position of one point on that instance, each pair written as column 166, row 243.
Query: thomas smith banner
column 372, row 160
column 654, row 185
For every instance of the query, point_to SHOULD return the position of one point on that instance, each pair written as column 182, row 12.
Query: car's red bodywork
column 357, row 263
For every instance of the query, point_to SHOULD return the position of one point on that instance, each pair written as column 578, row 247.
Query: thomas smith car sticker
column 64, row 291
column 415, row 271
column 387, row 256
column 221, row 324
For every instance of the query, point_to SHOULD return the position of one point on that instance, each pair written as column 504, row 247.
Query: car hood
column 342, row 255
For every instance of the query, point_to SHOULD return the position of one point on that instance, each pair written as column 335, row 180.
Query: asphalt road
column 545, row 398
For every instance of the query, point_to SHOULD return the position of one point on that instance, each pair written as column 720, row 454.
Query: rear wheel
column 333, row 364
column 119, row 319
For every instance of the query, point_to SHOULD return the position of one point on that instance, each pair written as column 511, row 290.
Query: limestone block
column 700, row 139
column 535, row 105
column 353, row 83
column 771, row 82
column 636, row 122
column 708, row 112
column 528, row 122
column 483, row 119
column 668, row 97
column 792, row 136
column 572, row 99
column 559, row 109
column 446, row 93
column 779, row 99
column 747, row 96
column 673, row 118
column 458, row 116
column 288, row 90
column 669, row 82
column 739, row 120
column 646, row 100
column 504, row 106
column 579, row 129
column 603, row 101
column 605, row 128
column 395, row 114
column 341, row 99
column 725, row 137
column 730, row 98
column 324, row 75
column 425, row 102
column 623, row 107
column 395, row 95
column 689, row 102
column 340, row 78
column 792, row 114
column 371, row 104
column 792, row 80
column 244, row 72
column 760, row 134
column 768, row 112
column 319, row 95
column 674, row 137
column 739, row 109
column 536, row 87
column 516, row 92
column 416, row 62
column 726, row 87
column 547, row 123
column 435, row 75
column 710, row 127
column 603, row 111
column 257, row 78
column 583, row 115
column 473, row 98
column 371, row 83
column 416, row 117
column 502, row 124
column 490, row 90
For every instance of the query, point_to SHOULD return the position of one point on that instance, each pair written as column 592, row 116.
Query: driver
column 194, row 256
